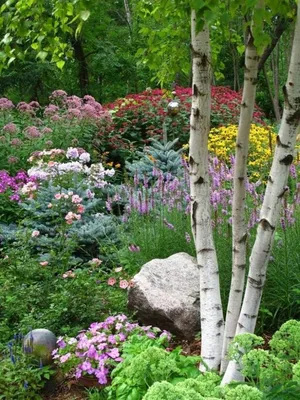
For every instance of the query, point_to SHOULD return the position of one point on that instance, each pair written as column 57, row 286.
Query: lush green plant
column 21, row 376
column 37, row 293
column 142, row 367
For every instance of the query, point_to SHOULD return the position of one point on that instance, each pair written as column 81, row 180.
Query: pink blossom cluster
column 70, row 200
column 98, row 350
column 6, row 104
column 74, row 107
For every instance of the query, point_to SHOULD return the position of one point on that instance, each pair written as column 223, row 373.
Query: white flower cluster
column 50, row 169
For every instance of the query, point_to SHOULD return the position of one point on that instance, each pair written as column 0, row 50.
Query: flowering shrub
column 98, row 350
column 138, row 117
column 222, row 142
column 66, row 121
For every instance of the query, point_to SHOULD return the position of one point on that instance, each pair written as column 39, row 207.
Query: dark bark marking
column 218, row 307
column 195, row 206
column 283, row 192
column 266, row 225
column 206, row 289
column 243, row 239
column 280, row 144
column 244, row 105
column 241, row 179
column 270, row 179
column 197, row 112
column 195, row 90
column 255, row 283
column 287, row 160
column 199, row 181
column 250, row 316
column 238, row 291
column 205, row 250
column 241, row 266
column 294, row 118
column 220, row 323
column 191, row 161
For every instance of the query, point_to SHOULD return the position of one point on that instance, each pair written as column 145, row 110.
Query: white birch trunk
column 239, row 225
column 276, row 188
column 211, row 314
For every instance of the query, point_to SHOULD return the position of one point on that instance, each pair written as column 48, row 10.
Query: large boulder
column 165, row 293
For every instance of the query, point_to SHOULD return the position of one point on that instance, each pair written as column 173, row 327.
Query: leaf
column 35, row 46
column 42, row 55
column 84, row 15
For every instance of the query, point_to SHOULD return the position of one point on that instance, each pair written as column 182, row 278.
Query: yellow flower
column 118, row 165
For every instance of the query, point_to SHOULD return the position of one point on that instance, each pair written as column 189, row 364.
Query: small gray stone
column 40, row 343
column 165, row 294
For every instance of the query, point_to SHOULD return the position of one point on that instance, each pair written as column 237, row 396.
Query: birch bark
column 275, row 190
column 239, row 225
column 211, row 314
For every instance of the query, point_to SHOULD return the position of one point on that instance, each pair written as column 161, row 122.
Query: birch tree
column 272, row 203
column 239, row 224
column 212, row 324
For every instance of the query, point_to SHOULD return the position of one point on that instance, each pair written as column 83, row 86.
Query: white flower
column 110, row 172
column 72, row 152
column 85, row 158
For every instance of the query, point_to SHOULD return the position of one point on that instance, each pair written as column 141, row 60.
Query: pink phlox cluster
column 98, row 350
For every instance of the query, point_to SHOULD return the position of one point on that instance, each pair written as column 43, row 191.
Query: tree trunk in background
column 239, row 225
column 275, row 190
column 212, row 324
column 235, row 63
column 275, row 108
column 128, row 14
column 275, row 68
column 82, row 66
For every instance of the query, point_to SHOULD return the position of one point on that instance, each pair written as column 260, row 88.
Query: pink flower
column 111, row 281
column 124, row 284
column 10, row 128
column 58, row 196
column 96, row 261
column 44, row 263
column 76, row 199
column 65, row 357
column 35, row 234
column 80, row 208
column 49, row 205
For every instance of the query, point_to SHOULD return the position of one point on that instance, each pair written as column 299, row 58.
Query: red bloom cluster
column 138, row 117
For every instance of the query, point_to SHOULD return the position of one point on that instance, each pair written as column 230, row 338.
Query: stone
column 165, row 293
column 40, row 343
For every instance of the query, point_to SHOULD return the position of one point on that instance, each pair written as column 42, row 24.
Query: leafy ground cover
column 78, row 222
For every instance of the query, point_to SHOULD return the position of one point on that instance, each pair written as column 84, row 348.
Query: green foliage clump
column 167, row 391
column 136, row 374
column 243, row 392
column 286, row 341
column 266, row 367
column 21, row 376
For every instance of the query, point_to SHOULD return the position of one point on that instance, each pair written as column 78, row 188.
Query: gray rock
column 165, row 293
column 40, row 343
